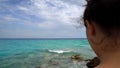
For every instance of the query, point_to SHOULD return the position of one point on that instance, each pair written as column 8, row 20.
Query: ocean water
column 43, row 53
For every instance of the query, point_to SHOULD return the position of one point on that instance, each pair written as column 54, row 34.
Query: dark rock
column 93, row 63
column 76, row 57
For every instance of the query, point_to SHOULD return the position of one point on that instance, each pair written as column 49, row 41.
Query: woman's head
column 102, row 20
column 105, row 13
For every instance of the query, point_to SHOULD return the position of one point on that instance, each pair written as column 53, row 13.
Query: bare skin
column 106, row 48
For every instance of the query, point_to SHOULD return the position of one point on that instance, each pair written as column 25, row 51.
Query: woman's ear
column 90, row 28
column 94, row 33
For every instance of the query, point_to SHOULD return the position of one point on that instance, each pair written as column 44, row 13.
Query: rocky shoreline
column 90, row 63
column 78, row 62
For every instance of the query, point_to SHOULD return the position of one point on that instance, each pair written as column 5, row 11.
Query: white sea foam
column 59, row 51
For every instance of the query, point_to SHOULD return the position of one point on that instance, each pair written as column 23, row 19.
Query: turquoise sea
column 43, row 53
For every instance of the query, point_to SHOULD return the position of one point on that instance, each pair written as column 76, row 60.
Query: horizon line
column 40, row 38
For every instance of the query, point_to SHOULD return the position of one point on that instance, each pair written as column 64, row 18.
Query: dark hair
column 105, row 13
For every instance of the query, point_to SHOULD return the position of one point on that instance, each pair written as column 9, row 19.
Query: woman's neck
column 110, row 60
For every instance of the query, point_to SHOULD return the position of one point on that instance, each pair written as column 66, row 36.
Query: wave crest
column 59, row 51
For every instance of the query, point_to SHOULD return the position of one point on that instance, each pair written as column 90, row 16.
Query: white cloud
column 51, row 10
column 57, row 18
column 55, row 10
column 9, row 18
column 47, row 25
column 22, row 8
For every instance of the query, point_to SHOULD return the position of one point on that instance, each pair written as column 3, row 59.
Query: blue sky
column 41, row 19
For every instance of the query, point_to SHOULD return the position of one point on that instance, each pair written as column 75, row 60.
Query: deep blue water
column 28, row 53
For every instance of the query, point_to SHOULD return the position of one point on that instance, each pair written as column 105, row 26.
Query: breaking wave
column 59, row 51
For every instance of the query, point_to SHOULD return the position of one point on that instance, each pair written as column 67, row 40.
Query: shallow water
column 43, row 53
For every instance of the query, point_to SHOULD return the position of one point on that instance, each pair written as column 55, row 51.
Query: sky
column 42, row 19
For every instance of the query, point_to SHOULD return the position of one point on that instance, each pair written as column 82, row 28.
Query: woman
column 102, row 21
